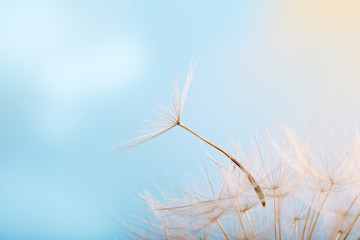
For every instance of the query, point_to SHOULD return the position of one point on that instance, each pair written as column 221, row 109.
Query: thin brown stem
column 345, row 215
column 322, row 205
column 255, row 185
column 338, row 235
column 241, row 222
column 351, row 205
column 307, row 215
column 278, row 217
column 275, row 219
column 313, row 215
column 349, row 228
column 222, row 229
column 296, row 227
column 251, row 227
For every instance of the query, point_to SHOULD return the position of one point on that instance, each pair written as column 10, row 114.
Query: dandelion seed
column 171, row 118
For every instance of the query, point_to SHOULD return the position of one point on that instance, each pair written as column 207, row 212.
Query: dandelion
column 170, row 118
column 317, row 203
column 312, row 185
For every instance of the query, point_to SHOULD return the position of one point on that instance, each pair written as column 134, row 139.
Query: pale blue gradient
column 79, row 77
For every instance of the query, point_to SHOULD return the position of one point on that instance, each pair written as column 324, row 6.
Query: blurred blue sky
column 79, row 77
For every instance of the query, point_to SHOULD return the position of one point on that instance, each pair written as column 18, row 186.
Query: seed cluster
column 310, row 186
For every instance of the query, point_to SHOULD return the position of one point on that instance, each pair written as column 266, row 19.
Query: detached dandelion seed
column 171, row 118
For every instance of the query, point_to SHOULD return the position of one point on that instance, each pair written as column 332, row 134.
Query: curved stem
column 255, row 185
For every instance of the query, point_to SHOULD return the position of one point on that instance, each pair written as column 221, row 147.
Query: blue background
column 79, row 77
